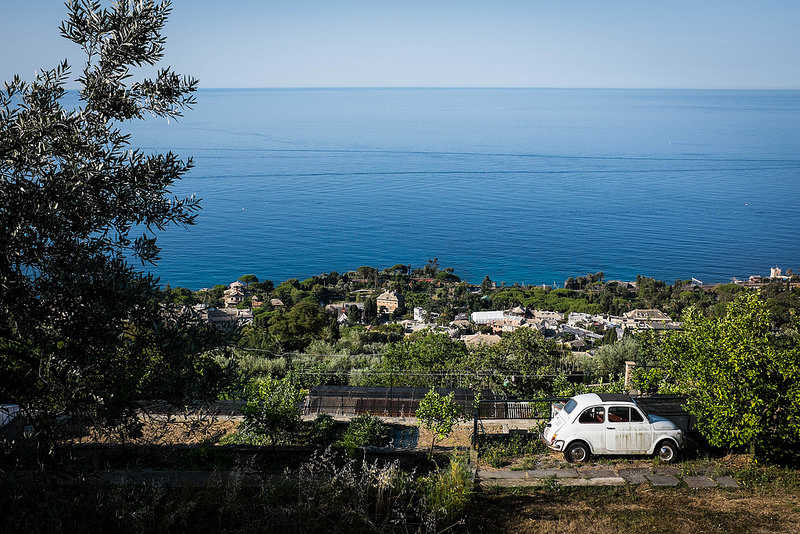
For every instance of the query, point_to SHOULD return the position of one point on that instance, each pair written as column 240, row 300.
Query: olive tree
column 82, row 329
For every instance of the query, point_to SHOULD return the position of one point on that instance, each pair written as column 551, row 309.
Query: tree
column 354, row 314
column 248, row 279
column 77, row 320
column 370, row 309
column 425, row 351
column 296, row 329
column 609, row 360
column 486, row 285
column 527, row 358
column 272, row 408
column 743, row 380
column 439, row 414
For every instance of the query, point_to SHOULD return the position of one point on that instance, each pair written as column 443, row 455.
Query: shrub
column 272, row 409
column 365, row 431
column 323, row 430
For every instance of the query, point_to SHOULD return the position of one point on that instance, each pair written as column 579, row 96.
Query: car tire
column 577, row 452
column 667, row 452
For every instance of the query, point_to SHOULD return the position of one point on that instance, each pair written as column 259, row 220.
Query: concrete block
column 595, row 481
column 502, row 474
column 663, row 480
column 557, row 473
column 726, row 482
column 699, row 482
column 596, row 473
column 634, row 475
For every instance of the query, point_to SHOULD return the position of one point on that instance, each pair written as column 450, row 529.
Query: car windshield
column 570, row 406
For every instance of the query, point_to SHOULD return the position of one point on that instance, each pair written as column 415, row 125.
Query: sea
column 527, row 186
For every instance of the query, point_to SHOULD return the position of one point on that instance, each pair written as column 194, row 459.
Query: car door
column 627, row 431
column 590, row 427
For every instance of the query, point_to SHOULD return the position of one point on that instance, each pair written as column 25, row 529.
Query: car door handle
column 611, row 428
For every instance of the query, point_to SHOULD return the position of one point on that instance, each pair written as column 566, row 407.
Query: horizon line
column 510, row 87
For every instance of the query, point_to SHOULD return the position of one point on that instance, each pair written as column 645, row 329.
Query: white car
column 610, row 423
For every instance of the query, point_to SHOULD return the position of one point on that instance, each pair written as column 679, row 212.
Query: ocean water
column 523, row 185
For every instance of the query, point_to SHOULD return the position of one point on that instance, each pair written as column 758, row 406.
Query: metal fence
column 382, row 401
column 669, row 406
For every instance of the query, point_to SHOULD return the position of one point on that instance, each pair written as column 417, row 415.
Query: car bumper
column 556, row 445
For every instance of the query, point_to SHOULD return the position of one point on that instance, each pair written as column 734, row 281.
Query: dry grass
column 459, row 437
column 172, row 431
column 764, row 504
column 640, row 509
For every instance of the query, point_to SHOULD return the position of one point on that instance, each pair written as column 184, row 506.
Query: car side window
column 636, row 417
column 619, row 414
column 593, row 415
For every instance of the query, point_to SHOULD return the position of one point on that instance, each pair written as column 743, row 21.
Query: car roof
column 614, row 397
column 595, row 398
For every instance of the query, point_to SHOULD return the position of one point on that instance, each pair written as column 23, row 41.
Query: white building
column 487, row 317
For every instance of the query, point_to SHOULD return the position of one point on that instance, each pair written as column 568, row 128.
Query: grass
column 640, row 509
column 767, row 501
column 348, row 496
column 328, row 493
column 499, row 451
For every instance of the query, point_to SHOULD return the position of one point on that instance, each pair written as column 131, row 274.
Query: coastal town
column 477, row 321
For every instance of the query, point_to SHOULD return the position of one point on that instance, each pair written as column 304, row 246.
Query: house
column 519, row 310
column 642, row 319
column 513, row 320
column 222, row 317
column 579, row 333
column 574, row 318
column 235, row 294
column 607, row 321
column 481, row 339
column 341, row 308
column 542, row 315
column 390, row 301
column 462, row 324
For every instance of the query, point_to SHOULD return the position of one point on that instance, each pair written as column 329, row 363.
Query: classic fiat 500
column 610, row 423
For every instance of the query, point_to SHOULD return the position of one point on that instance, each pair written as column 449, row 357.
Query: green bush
column 365, row 431
column 272, row 409
column 323, row 430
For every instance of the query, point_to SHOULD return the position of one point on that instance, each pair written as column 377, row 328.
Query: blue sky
column 730, row 44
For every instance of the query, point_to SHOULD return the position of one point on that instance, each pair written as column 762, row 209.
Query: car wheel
column 577, row 452
column 667, row 452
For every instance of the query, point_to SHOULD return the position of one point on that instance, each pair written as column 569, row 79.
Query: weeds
column 768, row 478
column 498, row 451
column 549, row 484
column 329, row 492
column 449, row 490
